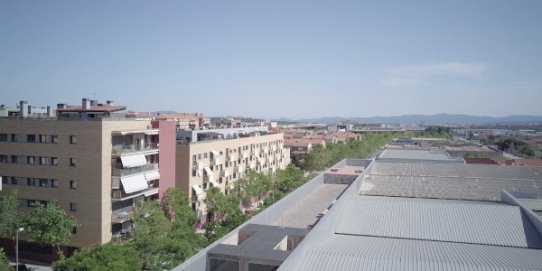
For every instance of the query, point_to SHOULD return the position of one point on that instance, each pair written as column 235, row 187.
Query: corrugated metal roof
column 450, row 181
column 457, row 170
column 445, row 187
column 438, row 220
column 345, row 253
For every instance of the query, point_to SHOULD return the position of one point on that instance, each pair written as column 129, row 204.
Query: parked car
column 20, row 267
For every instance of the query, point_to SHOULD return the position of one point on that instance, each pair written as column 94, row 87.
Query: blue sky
column 293, row 59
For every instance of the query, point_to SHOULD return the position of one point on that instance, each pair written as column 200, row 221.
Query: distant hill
column 432, row 119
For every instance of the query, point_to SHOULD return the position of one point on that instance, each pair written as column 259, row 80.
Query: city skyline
column 292, row 59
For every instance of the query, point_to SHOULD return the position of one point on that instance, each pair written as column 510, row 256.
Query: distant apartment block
column 218, row 158
column 93, row 161
column 183, row 121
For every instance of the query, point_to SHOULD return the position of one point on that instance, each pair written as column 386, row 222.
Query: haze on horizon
column 273, row 59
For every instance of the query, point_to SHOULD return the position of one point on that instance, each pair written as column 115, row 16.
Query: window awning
column 151, row 132
column 147, row 132
column 197, row 189
column 213, row 182
column 215, row 152
column 134, row 183
column 153, row 175
column 208, row 171
column 133, row 160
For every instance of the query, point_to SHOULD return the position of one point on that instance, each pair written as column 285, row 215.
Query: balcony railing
column 124, row 149
column 118, row 194
column 121, row 172
column 122, row 215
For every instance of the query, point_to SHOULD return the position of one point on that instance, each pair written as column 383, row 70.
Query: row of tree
column 163, row 238
column 226, row 213
column 46, row 224
column 320, row 158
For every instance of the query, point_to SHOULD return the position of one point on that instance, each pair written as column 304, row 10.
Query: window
column 193, row 173
column 13, row 180
column 73, row 207
column 3, row 158
column 54, row 183
column 31, row 203
column 194, row 157
column 54, row 161
column 44, row 182
column 4, row 180
column 14, row 159
column 43, row 138
column 31, row 138
column 31, row 160
column 13, row 138
column 205, row 155
column 30, row 181
column 73, row 139
column 54, row 139
column 44, row 161
column 73, row 184
column 3, row 137
column 73, row 162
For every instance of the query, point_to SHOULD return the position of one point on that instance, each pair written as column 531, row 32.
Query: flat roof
column 420, row 154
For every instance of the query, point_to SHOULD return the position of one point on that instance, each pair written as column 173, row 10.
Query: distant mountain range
column 428, row 119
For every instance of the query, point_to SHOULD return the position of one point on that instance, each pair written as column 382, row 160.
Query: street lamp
column 17, row 247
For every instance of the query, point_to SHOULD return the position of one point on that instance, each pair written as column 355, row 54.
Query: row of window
column 42, row 182
column 229, row 151
column 34, row 138
column 31, row 203
column 33, row 160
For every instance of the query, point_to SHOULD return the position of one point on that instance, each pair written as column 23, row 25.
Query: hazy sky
column 291, row 58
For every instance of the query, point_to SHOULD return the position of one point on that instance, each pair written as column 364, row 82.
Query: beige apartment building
column 94, row 164
column 220, row 162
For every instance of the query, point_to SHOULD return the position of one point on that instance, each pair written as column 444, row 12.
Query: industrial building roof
column 438, row 220
column 450, row 181
column 345, row 252
column 420, row 154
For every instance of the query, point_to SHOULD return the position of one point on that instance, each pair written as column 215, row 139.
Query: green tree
column 287, row 180
column 4, row 262
column 101, row 258
column 50, row 225
column 151, row 228
column 182, row 241
column 177, row 207
column 9, row 214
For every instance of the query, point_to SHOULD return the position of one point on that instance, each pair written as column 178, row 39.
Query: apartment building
column 221, row 160
column 91, row 160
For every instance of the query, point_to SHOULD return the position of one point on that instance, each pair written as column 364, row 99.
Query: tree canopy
column 101, row 258
column 49, row 224
column 9, row 213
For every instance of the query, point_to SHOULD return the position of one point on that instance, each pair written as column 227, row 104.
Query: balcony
column 148, row 148
column 122, row 172
column 119, row 195
column 122, row 215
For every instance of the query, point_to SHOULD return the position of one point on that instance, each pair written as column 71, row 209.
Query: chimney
column 23, row 109
column 86, row 104
column 110, row 103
